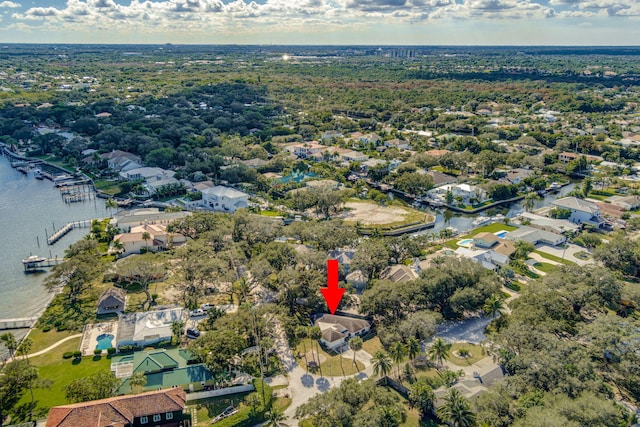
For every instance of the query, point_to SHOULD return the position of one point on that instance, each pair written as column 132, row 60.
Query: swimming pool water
column 105, row 341
column 501, row 234
column 465, row 242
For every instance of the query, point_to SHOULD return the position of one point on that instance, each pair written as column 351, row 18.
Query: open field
column 373, row 214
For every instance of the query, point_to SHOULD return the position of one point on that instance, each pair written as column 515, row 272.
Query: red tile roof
column 117, row 411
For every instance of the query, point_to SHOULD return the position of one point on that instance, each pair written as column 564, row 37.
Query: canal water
column 29, row 210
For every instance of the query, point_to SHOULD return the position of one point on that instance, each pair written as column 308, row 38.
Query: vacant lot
column 374, row 214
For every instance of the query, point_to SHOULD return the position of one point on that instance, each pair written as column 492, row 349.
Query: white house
column 535, row 236
column 465, row 191
column 337, row 330
column 224, row 199
column 558, row 226
column 158, row 239
column 582, row 211
column 119, row 160
column 488, row 258
column 307, row 149
column 148, row 327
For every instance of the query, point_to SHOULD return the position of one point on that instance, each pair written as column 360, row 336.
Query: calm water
column 28, row 207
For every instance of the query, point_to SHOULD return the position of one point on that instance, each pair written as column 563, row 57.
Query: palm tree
column 111, row 204
column 413, row 348
column 176, row 329
column 315, row 334
column 422, row 398
column 439, row 351
column 493, row 306
column 137, row 381
column 275, row 418
column 456, row 410
column 530, row 201
column 302, row 333
column 381, row 364
column 146, row 237
column 10, row 343
column 398, row 352
column 355, row 344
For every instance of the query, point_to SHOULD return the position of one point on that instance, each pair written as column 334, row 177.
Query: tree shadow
column 307, row 380
column 323, row 384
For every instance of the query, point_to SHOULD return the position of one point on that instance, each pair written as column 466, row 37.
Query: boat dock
column 35, row 263
column 21, row 323
column 57, row 235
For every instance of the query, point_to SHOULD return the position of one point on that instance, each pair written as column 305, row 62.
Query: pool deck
column 91, row 333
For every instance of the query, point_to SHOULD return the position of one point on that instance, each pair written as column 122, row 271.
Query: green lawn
column 42, row 340
column 208, row 409
column 372, row 345
column 489, row 228
column 332, row 366
column 475, row 350
column 52, row 367
column 546, row 267
column 553, row 257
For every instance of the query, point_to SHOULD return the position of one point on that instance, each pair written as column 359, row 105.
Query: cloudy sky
column 372, row 22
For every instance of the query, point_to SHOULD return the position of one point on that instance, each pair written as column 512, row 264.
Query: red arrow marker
column 332, row 293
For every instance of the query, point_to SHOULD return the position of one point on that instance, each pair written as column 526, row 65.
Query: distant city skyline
column 329, row 22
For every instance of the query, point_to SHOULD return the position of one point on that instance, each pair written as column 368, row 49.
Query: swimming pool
column 105, row 341
column 466, row 243
column 501, row 234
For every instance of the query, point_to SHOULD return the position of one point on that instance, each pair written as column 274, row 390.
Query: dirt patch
column 374, row 214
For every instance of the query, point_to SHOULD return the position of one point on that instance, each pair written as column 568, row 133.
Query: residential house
column 566, row 156
column 398, row 273
column 485, row 240
column 331, row 135
column 353, row 156
column 118, row 160
column 397, row 143
column 440, row 179
column 370, row 138
column 536, row 236
column 464, row 191
column 113, row 300
column 558, row 226
column 153, row 177
column 357, row 279
column 344, row 257
column 125, row 220
column 627, row 203
column 307, row 149
column 516, row 176
column 224, row 199
column 147, row 328
column 157, row 239
column 155, row 408
column 582, row 211
column 366, row 165
column 337, row 330
column 489, row 259
column 255, row 163
column 162, row 368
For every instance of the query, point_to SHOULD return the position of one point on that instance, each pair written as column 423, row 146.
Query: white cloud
column 10, row 5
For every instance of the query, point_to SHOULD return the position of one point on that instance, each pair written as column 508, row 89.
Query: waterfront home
column 224, row 199
column 558, row 226
column 155, row 408
column 337, row 330
column 118, row 160
column 440, row 179
column 365, row 166
column 582, row 211
column 627, row 203
column 113, row 300
column 536, row 236
column 147, row 328
column 464, row 191
column 162, row 368
column 125, row 220
column 151, row 237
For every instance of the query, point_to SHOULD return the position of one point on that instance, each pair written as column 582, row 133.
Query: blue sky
column 373, row 22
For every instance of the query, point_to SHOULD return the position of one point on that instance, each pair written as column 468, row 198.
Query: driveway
column 303, row 385
column 568, row 253
column 469, row 330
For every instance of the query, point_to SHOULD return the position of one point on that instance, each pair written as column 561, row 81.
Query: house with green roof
column 163, row 369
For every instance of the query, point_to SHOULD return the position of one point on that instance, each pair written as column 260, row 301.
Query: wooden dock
column 57, row 235
column 34, row 263
column 21, row 323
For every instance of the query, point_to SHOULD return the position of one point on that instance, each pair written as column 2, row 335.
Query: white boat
column 33, row 259
column 497, row 218
column 481, row 220
column 554, row 187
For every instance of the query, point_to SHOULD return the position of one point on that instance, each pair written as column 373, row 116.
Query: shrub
column 77, row 354
column 67, row 355
column 97, row 352
column 46, row 328
column 111, row 350
column 61, row 328
column 513, row 286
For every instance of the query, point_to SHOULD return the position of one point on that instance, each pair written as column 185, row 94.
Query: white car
column 198, row 312
column 206, row 306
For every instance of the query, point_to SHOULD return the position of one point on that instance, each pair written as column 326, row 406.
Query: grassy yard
column 331, row 365
column 208, row 409
column 476, row 353
column 42, row 340
column 489, row 228
column 52, row 367
column 553, row 257
column 108, row 187
column 372, row 345
column 545, row 267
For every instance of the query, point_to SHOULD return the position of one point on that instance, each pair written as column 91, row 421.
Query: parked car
column 198, row 312
column 206, row 306
column 193, row 333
